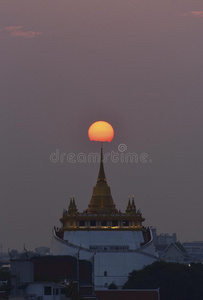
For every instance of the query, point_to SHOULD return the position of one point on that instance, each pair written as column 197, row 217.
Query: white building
column 116, row 242
column 45, row 291
column 163, row 238
column 176, row 253
column 23, row 286
column 195, row 249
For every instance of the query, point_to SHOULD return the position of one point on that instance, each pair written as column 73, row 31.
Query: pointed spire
column 101, row 176
column 70, row 205
column 128, row 209
column 73, row 203
column 101, row 201
column 129, row 204
column 72, row 209
column 133, row 204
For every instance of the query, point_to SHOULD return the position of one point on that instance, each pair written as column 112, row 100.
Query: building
column 163, row 238
column 63, row 277
column 128, row 294
column 162, row 241
column 3, row 295
column 41, row 291
column 175, row 252
column 195, row 249
column 45, row 291
column 65, row 269
column 22, row 273
column 36, row 277
column 116, row 242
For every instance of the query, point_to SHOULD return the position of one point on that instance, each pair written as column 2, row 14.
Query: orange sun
column 101, row 131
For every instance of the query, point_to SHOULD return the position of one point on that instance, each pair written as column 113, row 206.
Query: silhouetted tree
column 176, row 281
column 112, row 286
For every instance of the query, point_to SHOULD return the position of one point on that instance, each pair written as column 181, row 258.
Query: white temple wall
column 59, row 247
column 118, row 266
column 96, row 238
column 150, row 248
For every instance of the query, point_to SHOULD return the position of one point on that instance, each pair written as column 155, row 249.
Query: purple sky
column 65, row 64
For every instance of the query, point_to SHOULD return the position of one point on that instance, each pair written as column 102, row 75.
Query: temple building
column 116, row 242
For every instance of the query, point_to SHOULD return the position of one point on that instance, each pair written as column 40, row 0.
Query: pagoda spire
column 128, row 209
column 101, row 175
column 72, row 206
column 73, row 203
column 133, row 202
column 129, row 205
column 101, row 201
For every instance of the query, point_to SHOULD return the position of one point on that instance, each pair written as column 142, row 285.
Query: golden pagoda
column 115, row 242
column 101, row 213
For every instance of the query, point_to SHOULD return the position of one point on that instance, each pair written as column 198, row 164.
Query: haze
column 66, row 64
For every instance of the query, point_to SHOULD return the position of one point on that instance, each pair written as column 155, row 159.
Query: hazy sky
column 65, row 64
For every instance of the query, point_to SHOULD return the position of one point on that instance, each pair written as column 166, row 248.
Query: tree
column 112, row 286
column 176, row 281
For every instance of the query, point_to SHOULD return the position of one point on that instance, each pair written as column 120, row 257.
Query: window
column 81, row 223
column 55, row 291
column 47, row 290
column 103, row 223
column 125, row 223
column 92, row 223
column 114, row 223
column 105, row 273
column 62, row 291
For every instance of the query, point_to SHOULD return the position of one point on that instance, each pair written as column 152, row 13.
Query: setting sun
column 101, row 131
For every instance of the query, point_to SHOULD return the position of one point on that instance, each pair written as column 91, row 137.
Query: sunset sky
column 66, row 64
